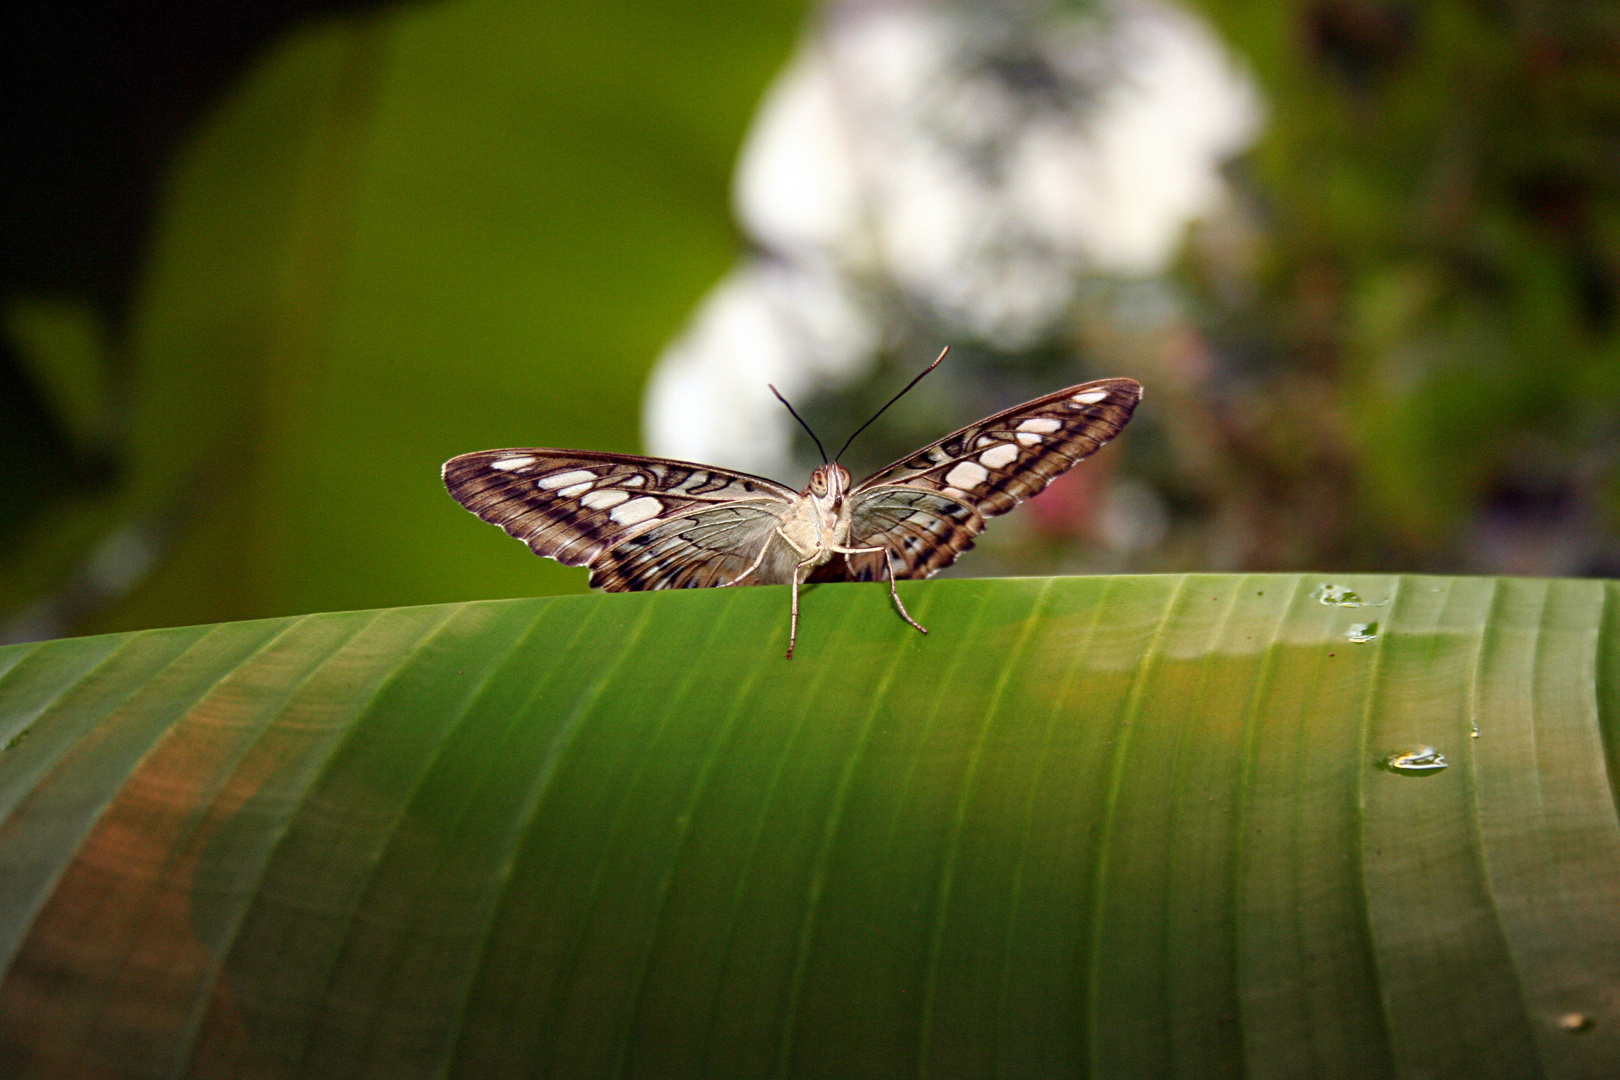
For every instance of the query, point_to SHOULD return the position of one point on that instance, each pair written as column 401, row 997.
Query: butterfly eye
column 818, row 481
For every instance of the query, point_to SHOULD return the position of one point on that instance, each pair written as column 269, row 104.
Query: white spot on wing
column 1090, row 397
column 1029, row 438
column 564, row 479
column 984, row 440
column 633, row 480
column 967, row 475
column 510, row 463
column 1042, row 424
column 999, row 457
column 574, row 489
column 601, row 500
column 636, row 511
column 955, row 493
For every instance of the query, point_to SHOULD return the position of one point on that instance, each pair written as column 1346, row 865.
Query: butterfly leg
column 798, row 568
column 888, row 560
column 793, row 626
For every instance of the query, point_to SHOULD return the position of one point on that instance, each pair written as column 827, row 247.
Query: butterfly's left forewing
column 637, row 522
column 926, row 508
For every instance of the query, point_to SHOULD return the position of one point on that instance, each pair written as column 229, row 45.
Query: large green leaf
column 1113, row 827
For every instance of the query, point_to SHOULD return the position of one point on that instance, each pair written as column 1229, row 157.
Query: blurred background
column 268, row 263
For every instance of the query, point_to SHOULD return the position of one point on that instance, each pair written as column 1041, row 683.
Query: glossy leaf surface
column 1110, row 827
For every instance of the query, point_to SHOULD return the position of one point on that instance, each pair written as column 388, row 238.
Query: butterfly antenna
column 800, row 419
column 892, row 400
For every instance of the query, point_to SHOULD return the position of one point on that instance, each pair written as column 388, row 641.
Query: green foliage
column 439, row 228
column 1438, row 301
column 63, row 346
column 1106, row 827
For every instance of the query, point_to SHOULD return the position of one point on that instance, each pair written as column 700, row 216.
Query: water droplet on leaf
column 1417, row 761
column 1342, row 596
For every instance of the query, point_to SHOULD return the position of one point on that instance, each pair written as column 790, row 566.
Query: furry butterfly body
column 656, row 523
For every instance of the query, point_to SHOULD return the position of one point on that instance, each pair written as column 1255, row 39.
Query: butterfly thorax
column 819, row 517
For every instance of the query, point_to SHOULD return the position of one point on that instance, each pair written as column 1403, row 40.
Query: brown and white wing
column 637, row 522
column 689, row 549
column 923, row 530
column 927, row 508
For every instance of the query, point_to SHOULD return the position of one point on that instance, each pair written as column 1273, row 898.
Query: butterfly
column 657, row 523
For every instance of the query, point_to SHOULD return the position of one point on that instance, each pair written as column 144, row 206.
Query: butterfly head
column 829, row 482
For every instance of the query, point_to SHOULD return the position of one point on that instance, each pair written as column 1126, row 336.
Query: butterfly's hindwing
column 580, row 507
column 987, row 468
column 924, row 531
column 692, row 550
